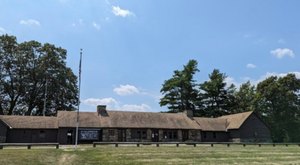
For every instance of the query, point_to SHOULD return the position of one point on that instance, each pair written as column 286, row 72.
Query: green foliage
column 216, row 98
column 27, row 68
column 279, row 104
column 245, row 98
column 275, row 99
column 179, row 91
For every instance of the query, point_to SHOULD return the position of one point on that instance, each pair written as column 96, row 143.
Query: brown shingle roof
column 32, row 122
column 148, row 120
column 86, row 119
column 235, row 121
column 121, row 119
column 211, row 124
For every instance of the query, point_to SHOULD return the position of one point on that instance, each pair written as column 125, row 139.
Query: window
column 204, row 135
column 111, row 132
column 170, row 134
column 139, row 134
column 214, row 135
column 42, row 134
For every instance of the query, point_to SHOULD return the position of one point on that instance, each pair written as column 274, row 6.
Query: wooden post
column 286, row 145
column 259, row 145
column 211, row 144
column 177, row 144
column 228, row 145
column 57, row 146
column 116, row 144
column 138, row 145
column 273, row 145
column 1, row 147
column 94, row 145
column 157, row 145
column 29, row 147
column 244, row 145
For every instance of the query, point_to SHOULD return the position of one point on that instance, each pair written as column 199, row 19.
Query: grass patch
column 219, row 154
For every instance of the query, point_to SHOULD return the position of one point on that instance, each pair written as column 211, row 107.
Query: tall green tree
column 179, row 92
column 279, row 105
column 245, row 98
column 216, row 98
column 27, row 70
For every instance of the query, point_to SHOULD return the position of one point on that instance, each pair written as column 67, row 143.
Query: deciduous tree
column 27, row 69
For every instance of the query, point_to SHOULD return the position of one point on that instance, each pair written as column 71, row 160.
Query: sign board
column 88, row 134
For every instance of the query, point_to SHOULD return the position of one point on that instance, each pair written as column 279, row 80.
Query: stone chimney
column 189, row 113
column 101, row 109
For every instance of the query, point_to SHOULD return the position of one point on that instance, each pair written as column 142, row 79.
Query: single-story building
column 106, row 125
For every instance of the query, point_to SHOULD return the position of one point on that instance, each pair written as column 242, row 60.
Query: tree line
column 276, row 99
column 34, row 78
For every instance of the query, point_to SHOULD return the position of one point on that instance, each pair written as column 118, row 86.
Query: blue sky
column 131, row 47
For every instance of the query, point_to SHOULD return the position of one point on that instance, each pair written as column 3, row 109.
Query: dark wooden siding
column 63, row 138
column 31, row 135
column 214, row 136
column 252, row 130
column 3, row 130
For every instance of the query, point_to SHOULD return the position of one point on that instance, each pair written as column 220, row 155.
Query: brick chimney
column 101, row 109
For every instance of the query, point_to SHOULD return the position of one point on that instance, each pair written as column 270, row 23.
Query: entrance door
column 185, row 135
column 155, row 135
column 70, row 136
column 122, row 135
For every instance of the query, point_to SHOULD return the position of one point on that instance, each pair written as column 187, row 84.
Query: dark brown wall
column 252, row 130
column 63, row 138
column 3, row 130
column 220, row 136
column 31, row 135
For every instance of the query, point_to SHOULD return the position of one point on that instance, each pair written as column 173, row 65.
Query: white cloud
column 140, row 108
column 230, row 80
column 121, row 12
column 113, row 104
column 105, row 101
column 2, row 30
column 251, row 66
column 269, row 74
column 96, row 26
column 281, row 52
column 126, row 90
column 30, row 22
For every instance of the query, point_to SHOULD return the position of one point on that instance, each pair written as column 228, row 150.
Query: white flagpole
column 79, row 81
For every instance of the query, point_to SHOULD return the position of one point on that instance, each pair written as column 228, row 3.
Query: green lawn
column 219, row 154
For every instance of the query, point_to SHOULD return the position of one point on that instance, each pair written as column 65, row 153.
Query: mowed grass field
column 202, row 154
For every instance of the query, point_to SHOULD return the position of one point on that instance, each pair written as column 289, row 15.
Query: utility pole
column 79, row 82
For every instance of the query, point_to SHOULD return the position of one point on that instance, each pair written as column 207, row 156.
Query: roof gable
column 32, row 122
column 235, row 121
